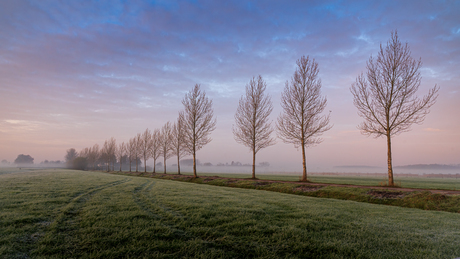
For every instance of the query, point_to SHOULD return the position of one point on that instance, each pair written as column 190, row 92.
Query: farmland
column 64, row 213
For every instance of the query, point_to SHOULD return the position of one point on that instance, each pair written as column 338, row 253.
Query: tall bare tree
column 253, row 127
column 105, row 154
column 199, row 121
column 121, row 151
column 155, row 149
column 93, row 156
column 385, row 96
column 138, row 149
column 301, row 122
column 177, row 140
column 145, row 147
column 108, row 151
column 165, row 139
column 131, row 151
column 112, row 152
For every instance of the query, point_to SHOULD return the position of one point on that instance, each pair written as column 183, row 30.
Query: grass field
column 407, row 182
column 76, row 214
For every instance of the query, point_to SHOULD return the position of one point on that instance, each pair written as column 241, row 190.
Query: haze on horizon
column 74, row 74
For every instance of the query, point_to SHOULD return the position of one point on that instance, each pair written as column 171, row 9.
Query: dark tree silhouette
column 24, row 159
column 70, row 156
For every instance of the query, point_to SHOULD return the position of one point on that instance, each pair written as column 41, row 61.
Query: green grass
column 406, row 182
column 414, row 198
column 76, row 214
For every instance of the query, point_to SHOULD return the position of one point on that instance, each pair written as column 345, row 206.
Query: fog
column 415, row 170
column 270, row 170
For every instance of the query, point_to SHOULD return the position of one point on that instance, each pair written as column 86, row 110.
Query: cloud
column 432, row 130
column 18, row 126
column 133, row 62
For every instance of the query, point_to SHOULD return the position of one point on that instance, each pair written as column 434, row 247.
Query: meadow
column 368, row 180
column 79, row 214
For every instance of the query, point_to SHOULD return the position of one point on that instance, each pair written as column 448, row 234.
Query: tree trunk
column 145, row 165
column 390, row 165
column 130, row 166
column 253, row 164
column 137, row 164
column 194, row 164
column 304, row 163
column 154, row 164
column 178, row 165
column 120, row 165
column 164, row 160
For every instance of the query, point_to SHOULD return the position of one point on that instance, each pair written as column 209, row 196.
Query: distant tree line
column 24, row 159
column 47, row 162
column 384, row 96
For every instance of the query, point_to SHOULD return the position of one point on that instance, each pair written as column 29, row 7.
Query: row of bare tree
column 300, row 124
column 385, row 98
column 186, row 136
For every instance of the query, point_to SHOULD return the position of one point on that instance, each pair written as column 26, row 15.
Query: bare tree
column 145, row 147
column 131, row 151
column 301, row 122
column 105, row 154
column 165, row 143
column 385, row 96
column 112, row 148
column 177, row 140
column 93, row 155
column 112, row 152
column 84, row 152
column 253, row 127
column 198, row 121
column 138, row 149
column 121, row 151
column 155, row 149
column 108, row 152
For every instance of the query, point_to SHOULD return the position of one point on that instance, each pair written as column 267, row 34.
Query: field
column 406, row 182
column 75, row 214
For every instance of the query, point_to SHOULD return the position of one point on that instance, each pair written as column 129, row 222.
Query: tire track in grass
column 141, row 203
column 81, row 198
column 166, row 217
column 59, row 238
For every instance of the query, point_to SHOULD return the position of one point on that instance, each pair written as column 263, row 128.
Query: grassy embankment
column 420, row 199
column 370, row 180
column 63, row 214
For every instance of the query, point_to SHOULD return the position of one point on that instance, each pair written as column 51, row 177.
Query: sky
column 75, row 73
